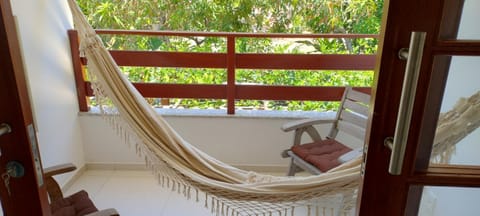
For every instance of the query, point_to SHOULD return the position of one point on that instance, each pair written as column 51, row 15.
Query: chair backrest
column 352, row 114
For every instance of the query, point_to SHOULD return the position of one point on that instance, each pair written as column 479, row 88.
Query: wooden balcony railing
column 231, row 60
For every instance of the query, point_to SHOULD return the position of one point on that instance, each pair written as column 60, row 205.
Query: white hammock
column 182, row 167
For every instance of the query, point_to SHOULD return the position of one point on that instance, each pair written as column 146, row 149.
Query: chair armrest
column 59, row 169
column 293, row 125
column 105, row 212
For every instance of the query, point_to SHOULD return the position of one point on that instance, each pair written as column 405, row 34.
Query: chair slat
column 359, row 96
column 359, row 120
column 351, row 129
column 356, row 107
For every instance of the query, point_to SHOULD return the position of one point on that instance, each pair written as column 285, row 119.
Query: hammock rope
column 180, row 166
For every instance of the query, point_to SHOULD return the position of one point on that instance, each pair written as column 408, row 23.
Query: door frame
column 28, row 194
column 381, row 193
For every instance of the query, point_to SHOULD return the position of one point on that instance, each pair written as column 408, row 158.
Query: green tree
column 266, row 16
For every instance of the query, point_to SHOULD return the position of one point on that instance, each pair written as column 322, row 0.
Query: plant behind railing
column 294, row 16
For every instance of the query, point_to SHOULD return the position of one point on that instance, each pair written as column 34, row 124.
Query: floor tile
column 177, row 204
column 133, row 195
column 93, row 184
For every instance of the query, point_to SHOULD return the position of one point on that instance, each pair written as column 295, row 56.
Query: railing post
column 231, row 62
column 78, row 71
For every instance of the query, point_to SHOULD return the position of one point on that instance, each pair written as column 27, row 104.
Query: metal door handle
column 5, row 129
column 398, row 143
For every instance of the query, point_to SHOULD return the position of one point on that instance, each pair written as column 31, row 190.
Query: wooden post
column 78, row 71
column 231, row 62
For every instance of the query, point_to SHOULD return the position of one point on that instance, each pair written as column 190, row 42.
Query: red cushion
column 77, row 204
column 322, row 154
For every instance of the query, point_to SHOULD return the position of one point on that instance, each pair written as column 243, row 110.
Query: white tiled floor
column 137, row 193
column 134, row 193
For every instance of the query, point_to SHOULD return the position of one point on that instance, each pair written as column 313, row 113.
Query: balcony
column 230, row 133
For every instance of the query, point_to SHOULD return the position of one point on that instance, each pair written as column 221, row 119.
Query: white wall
column 240, row 141
column 42, row 29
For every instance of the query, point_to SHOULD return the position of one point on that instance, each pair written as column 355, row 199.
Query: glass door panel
column 468, row 28
column 446, row 201
column 457, row 134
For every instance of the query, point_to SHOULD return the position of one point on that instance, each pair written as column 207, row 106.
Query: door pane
column 468, row 25
column 447, row 201
column 457, row 135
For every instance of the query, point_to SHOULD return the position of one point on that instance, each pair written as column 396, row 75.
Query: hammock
column 182, row 167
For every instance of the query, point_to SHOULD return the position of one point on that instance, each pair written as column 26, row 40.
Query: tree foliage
column 286, row 16
column 266, row 16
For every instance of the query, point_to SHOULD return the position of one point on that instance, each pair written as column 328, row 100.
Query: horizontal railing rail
column 231, row 61
column 228, row 34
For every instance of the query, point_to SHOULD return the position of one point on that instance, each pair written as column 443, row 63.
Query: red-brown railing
column 231, row 60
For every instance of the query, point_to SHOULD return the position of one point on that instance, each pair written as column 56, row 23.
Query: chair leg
column 293, row 168
column 53, row 189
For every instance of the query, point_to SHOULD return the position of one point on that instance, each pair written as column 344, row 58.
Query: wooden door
column 447, row 45
column 24, row 193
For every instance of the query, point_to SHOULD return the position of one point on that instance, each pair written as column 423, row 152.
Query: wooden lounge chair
column 321, row 155
column 77, row 204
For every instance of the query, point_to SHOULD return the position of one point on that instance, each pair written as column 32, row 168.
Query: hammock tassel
column 189, row 195
column 212, row 207
column 224, row 210
column 206, row 200
column 196, row 195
